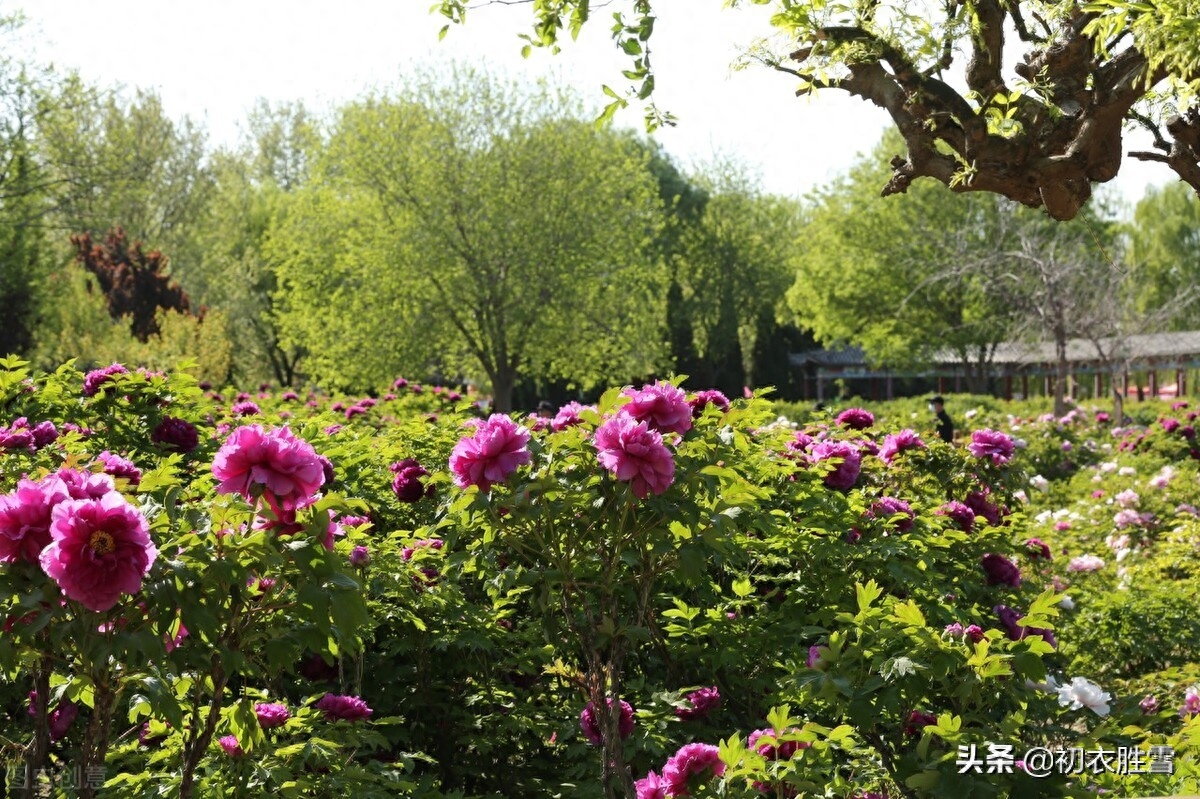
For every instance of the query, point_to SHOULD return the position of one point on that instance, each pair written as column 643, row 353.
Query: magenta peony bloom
column 801, row 442
column 954, row 630
column 702, row 701
column 1149, row 705
column 85, row 485
column 636, row 454
column 272, row 461
column 19, row 436
column 271, row 715
column 974, row 632
column 92, row 381
column 775, row 751
column 1010, row 620
column 845, row 475
column 662, row 406
column 651, row 786
column 702, row 399
column 1191, row 702
column 424, row 543
column 692, row 763
column 44, row 434
column 568, row 416
column 962, row 516
column 100, row 549
column 491, row 454
column 346, row 708
column 591, row 725
column 1037, row 548
column 177, row 434
column 407, row 483
column 360, row 557
column 887, row 508
column 856, row 418
column 230, row 744
column 61, row 719
column 815, row 655
column 245, row 408
column 117, row 466
column 992, row 444
column 978, row 502
column 895, row 443
column 1000, row 570
column 917, row 722
column 25, row 517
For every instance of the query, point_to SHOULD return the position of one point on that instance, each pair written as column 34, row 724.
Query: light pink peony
column 256, row 460
column 635, row 453
column 490, row 454
column 25, row 517
column 663, row 406
column 101, row 548
column 693, row 762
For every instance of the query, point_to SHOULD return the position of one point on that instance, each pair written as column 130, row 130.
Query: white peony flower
column 1039, row 482
column 1082, row 692
column 1066, row 603
column 1127, row 471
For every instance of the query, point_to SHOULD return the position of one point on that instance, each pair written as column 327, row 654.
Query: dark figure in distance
column 545, row 409
column 945, row 427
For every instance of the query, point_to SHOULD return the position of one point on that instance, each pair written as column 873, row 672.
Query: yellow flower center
column 101, row 543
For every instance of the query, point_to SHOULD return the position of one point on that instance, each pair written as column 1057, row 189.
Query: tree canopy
column 479, row 229
column 1039, row 130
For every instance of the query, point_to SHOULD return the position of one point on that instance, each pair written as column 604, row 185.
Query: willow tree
column 472, row 227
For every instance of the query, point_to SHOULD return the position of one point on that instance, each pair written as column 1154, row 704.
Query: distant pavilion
column 1149, row 365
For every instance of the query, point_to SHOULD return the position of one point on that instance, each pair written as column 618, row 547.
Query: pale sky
column 212, row 60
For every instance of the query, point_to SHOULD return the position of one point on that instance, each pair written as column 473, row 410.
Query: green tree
column 472, row 228
column 1164, row 249
column 737, row 263
column 889, row 277
column 252, row 184
column 1039, row 131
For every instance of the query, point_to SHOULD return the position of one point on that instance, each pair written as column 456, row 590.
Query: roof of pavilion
column 1181, row 348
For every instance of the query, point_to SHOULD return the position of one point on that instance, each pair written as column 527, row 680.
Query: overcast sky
column 212, row 60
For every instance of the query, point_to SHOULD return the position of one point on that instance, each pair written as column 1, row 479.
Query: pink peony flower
column 86, row 485
column 61, row 719
column 702, row 701
column 663, row 406
column 1085, row 563
column 591, row 725
column 692, row 763
column 491, row 454
column 886, row 508
column 346, row 708
column 1037, row 548
column 100, row 549
column 271, row 461
column 816, row 654
column 1149, row 705
column 568, row 416
column 992, row 444
column 651, row 786
column 856, row 418
column 974, row 632
column 230, row 745
column 702, row 399
column 895, row 443
column 93, row 380
column 775, row 751
column 962, row 516
column 117, row 466
column 360, row 557
column 271, row 715
column 1191, row 702
column 845, row 474
column 634, row 453
column 25, row 517
column 44, row 434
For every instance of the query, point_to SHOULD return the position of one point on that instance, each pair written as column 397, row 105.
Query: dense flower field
column 665, row 594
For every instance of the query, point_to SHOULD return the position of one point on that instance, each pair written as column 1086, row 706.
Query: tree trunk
column 502, row 391
column 1060, row 376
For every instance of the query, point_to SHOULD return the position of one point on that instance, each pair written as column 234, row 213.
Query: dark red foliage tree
column 134, row 282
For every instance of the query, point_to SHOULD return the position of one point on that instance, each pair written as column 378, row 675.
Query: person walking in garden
column 945, row 427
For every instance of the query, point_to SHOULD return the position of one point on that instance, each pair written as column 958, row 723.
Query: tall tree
column 494, row 229
column 1164, row 250
column 1039, row 131
column 888, row 277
